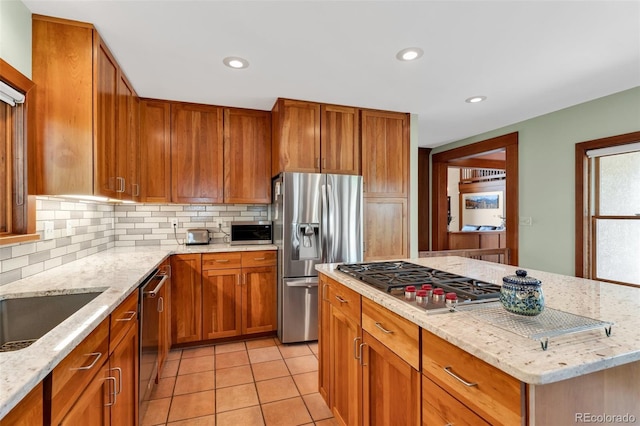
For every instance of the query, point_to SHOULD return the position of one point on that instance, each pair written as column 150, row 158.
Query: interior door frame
column 440, row 163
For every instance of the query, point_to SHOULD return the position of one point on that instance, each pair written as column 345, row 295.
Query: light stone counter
column 117, row 272
column 567, row 356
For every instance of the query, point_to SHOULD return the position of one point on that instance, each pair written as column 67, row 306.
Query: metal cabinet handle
column 161, row 304
column 136, row 189
column 356, row 354
column 119, row 370
column 132, row 315
column 384, row 330
column 341, row 300
column 361, row 357
column 324, row 293
column 222, row 260
column 153, row 293
column 121, row 185
column 324, row 163
column 114, row 393
column 97, row 355
column 455, row 376
column 258, row 258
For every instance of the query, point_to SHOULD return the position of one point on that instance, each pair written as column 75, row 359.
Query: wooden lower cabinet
column 324, row 333
column 186, row 298
column 440, row 408
column 221, row 291
column 93, row 405
column 123, row 366
column 259, row 304
column 28, row 412
column 382, row 241
column 164, row 307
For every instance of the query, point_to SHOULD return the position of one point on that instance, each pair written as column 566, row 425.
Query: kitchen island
column 581, row 377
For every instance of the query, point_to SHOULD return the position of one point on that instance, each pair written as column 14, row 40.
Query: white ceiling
column 528, row 57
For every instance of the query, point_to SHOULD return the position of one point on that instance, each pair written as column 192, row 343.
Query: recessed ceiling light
column 235, row 62
column 409, row 54
column 475, row 99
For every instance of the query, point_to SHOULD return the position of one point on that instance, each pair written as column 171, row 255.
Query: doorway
column 465, row 156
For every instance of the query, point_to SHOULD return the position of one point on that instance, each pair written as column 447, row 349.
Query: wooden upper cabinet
column 196, row 154
column 155, row 151
column 128, row 142
column 247, row 156
column 296, row 136
column 340, row 140
column 385, row 153
column 382, row 241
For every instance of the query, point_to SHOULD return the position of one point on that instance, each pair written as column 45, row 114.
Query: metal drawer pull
column 222, row 260
column 98, row 355
column 132, row 315
column 112, row 393
column 153, row 293
column 258, row 258
column 119, row 370
column 461, row 380
column 361, row 357
column 160, row 304
column 324, row 293
column 384, row 330
column 355, row 348
column 341, row 300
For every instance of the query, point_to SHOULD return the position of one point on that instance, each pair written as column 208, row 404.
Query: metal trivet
column 16, row 345
column 550, row 323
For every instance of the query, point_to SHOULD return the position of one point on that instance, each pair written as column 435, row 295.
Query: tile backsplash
column 82, row 228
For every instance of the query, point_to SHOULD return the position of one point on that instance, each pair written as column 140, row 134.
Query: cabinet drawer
column 72, row 375
column 488, row 391
column 122, row 318
column 440, row 408
column 345, row 300
column 396, row 333
column 221, row 260
column 259, row 258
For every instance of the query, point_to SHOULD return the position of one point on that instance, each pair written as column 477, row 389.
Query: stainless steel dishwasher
column 150, row 308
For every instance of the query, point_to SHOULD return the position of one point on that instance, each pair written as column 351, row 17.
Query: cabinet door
column 324, row 339
column 221, row 303
column 296, row 137
column 346, row 374
column 186, row 298
column 155, row 151
column 106, row 88
column 391, row 388
column 93, row 405
column 164, row 307
column 196, row 154
column 385, row 154
column 385, row 228
column 28, row 412
column 247, row 156
column 259, row 304
column 440, row 408
column 340, row 140
column 124, row 367
column 127, row 176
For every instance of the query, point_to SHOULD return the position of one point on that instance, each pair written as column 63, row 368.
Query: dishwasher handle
column 153, row 293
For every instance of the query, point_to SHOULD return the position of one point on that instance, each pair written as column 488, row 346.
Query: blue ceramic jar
column 521, row 294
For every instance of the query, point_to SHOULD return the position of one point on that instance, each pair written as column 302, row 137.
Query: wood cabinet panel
column 346, row 300
column 385, row 229
column 391, row 387
column 196, row 153
column 440, row 408
column 123, row 367
column 186, row 298
column 259, row 258
column 247, row 156
column 385, row 153
column 92, row 407
column 296, row 136
column 128, row 141
column 259, row 304
column 340, row 139
column 29, row 411
column 221, row 303
column 121, row 320
column 155, row 151
column 164, row 300
column 221, row 260
column 106, row 88
column 324, row 334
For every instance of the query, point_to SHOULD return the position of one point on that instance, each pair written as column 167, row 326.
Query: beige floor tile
column 276, row 389
column 157, row 412
column 230, row 347
column 233, row 376
column 231, row 359
column 317, row 407
column 269, row 370
column 260, row 343
column 174, row 354
column 327, row 422
column 197, row 382
column 264, row 354
column 286, row 412
column 314, row 347
column 170, row 368
column 164, row 388
column 198, row 421
column 192, row 405
column 234, row 397
column 293, row 350
column 307, row 382
column 195, row 365
column 302, row 364
column 251, row 416
column 200, row 351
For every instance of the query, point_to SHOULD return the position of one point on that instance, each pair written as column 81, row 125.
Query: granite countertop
column 567, row 356
column 116, row 272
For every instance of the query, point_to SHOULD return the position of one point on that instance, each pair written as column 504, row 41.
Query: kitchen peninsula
column 509, row 378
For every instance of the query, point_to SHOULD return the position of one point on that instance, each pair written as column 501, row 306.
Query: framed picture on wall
column 482, row 200
column 482, row 208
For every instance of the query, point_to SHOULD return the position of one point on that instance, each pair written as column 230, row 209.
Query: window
column 610, row 202
column 17, row 207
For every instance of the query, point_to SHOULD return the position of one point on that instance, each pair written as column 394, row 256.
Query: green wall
column 15, row 35
column 547, row 178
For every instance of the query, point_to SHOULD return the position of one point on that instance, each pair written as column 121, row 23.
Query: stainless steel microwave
column 256, row 232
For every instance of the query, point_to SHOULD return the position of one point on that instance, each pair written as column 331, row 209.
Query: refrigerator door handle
column 325, row 225
column 330, row 258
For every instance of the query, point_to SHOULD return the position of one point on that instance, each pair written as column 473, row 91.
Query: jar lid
column 521, row 278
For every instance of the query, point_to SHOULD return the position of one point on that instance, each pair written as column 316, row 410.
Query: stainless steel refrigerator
column 317, row 218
